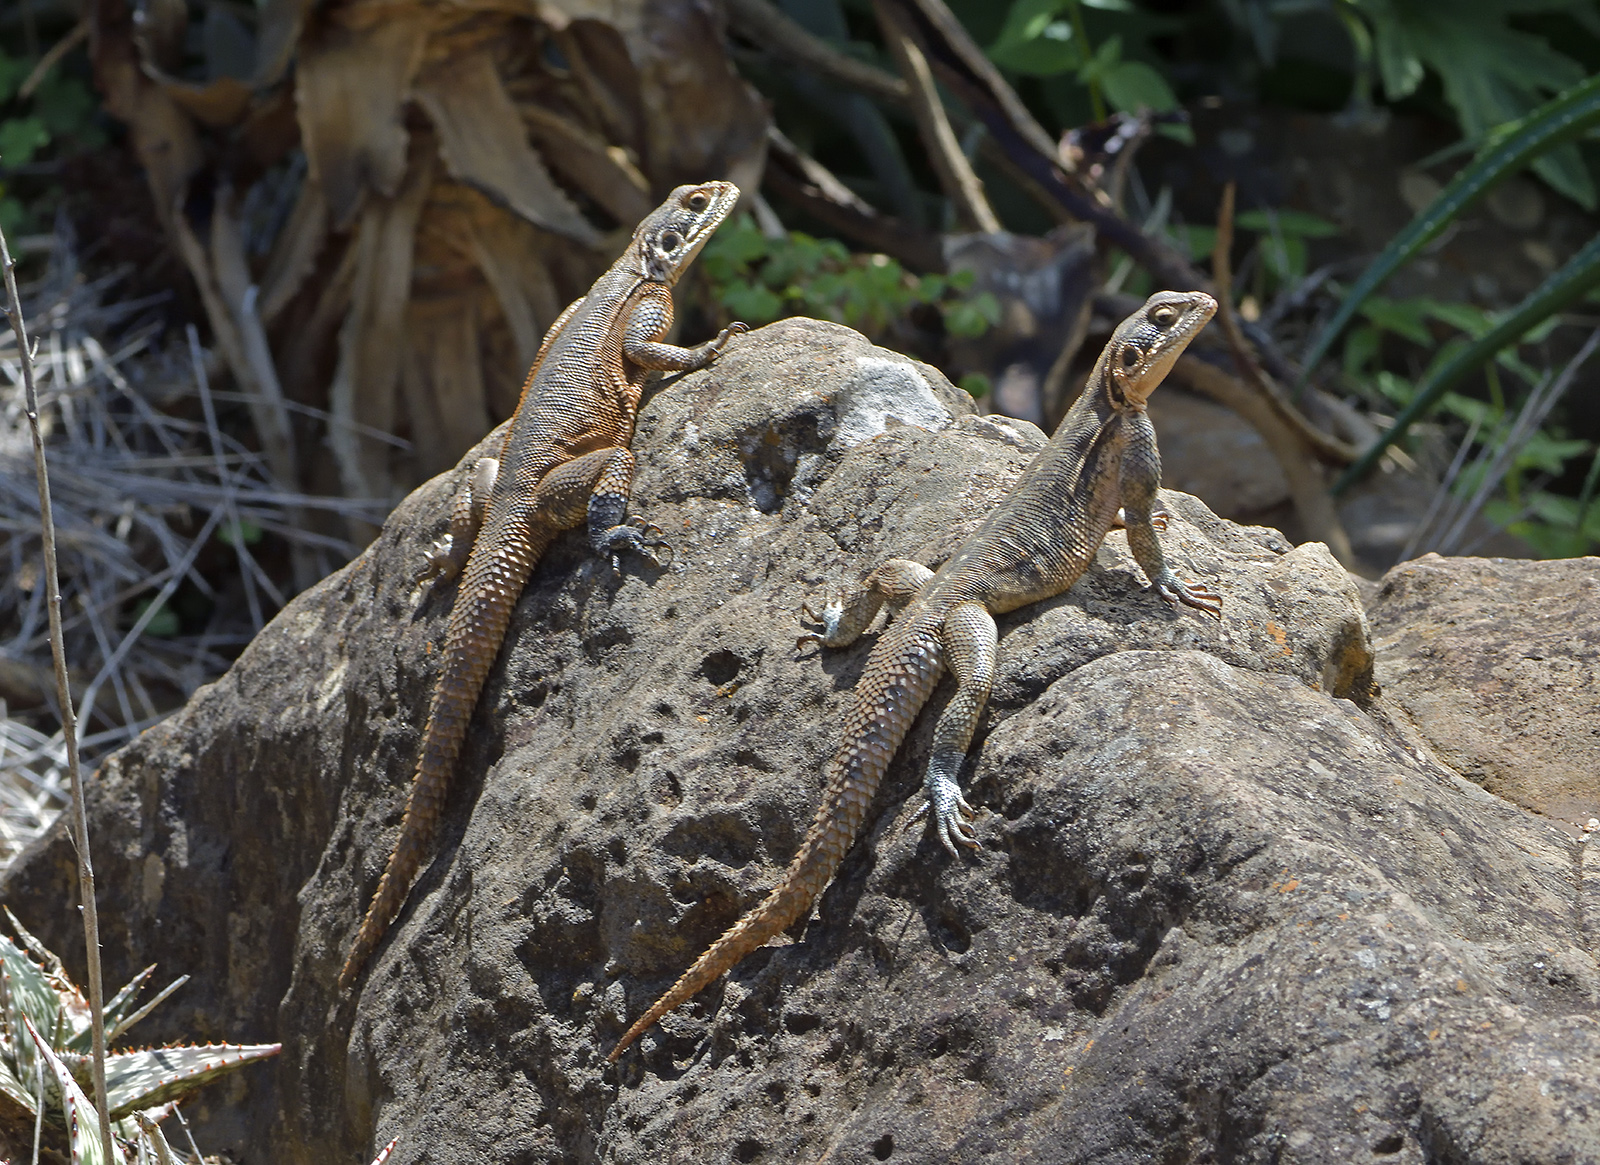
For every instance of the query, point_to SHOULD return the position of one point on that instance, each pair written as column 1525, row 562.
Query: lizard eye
column 1164, row 316
column 698, row 202
column 670, row 241
column 1130, row 356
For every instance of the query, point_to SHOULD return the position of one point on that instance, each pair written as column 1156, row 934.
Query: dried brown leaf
column 484, row 144
column 351, row 86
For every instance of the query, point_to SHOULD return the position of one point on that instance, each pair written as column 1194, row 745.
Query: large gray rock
column 1223, row 911
column 1497, row 663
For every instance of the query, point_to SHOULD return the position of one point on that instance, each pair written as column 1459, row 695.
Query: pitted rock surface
column 1223, row 911
column 1497, row 663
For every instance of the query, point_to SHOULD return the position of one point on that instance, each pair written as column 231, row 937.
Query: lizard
column 564, row 460
column 1035, row 544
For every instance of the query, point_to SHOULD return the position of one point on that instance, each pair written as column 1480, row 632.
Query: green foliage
column 58, row 118
column 45, row 1040
column 1508, row 149
column 1575, row 279
column 758, row 280
column 1049, row 38
column 1492, row 72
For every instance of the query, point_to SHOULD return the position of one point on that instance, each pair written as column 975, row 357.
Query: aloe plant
column 44, row 1057
column 1510, row 148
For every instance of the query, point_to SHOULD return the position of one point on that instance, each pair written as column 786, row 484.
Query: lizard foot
column 1158, row 519
column 636, row 535
column 832, row 611
column 951, row 814
column 439, row 563
column 1195, row 595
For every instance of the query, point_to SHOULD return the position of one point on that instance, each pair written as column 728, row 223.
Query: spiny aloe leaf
column 11, row 1084
column 122, row 1002
column 1569, row 114
column 29, row 998
column 153, row 1142
column 1577, row 276
column 145, row 1078
column 83, row 1122
column 113, row 1031
column 387, row 1149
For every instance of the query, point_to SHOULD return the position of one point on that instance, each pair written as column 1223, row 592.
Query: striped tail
column 888, row 698
column 489, row 592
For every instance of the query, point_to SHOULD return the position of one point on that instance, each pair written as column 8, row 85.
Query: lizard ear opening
column 1131, row 356
column 670, row 241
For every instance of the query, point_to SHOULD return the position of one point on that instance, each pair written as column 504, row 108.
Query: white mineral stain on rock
column 882, row 389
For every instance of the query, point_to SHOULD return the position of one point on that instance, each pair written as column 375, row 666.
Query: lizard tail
column 887, row 701
column 477, row 627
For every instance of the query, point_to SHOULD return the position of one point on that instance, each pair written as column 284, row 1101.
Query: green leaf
column 230, row 534
column 1508, row 150
column 144, row 1079
column 1565, row 286
column 13, row 72
column 164, row 624
column 969, row 318
column 21, row 138
column 1132, row 86
column 1292, row 223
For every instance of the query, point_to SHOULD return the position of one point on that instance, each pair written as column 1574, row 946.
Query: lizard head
column 1148, row 343
column 672, row 236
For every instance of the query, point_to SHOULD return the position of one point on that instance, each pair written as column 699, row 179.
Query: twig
column 1442, row 494
column 80, row 817
column 79, row 34
column 1309, row 493
column 961, row 184
column 1529, row 420
column 764, row 24
column 811, row 186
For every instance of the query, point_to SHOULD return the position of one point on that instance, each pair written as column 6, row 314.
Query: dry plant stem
column 961, row 184
column 767, row 26
column 1307, row 490
column 1253, row 398
column 1327, row 448
column 79, row 34
column 69, row 733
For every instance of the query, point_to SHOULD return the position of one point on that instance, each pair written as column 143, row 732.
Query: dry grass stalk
column 58, row 652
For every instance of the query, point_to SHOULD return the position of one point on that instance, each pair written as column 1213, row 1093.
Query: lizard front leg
column 895, row 583
column 650, row 319
column 970, row 649
column 1141, row 475
column 445, row 558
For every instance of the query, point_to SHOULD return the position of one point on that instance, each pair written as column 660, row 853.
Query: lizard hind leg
column 611, row 530
column 446, row 557
column 845, row 619
column 970, row 648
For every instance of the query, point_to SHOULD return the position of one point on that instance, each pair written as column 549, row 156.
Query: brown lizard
column 1035, row 544
column 565, row 460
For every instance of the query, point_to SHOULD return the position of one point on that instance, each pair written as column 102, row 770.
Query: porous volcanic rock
column 1224, row 911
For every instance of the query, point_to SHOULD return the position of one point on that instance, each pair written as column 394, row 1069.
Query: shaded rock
column 1497, row 663
column 1222, row 911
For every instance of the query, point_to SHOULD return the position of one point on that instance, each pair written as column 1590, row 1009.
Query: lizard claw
column 636, row 535
column 1195, row 595
column 951, row 814
column 438, row 562
column 1158, row 519
column 832, row 611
